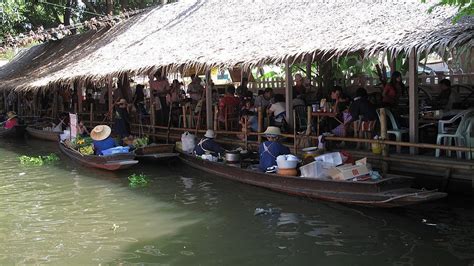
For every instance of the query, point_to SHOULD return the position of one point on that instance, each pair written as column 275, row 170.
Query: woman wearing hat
column 102, row 140
column 208, row 145
column 271, row 149
column 12, row 121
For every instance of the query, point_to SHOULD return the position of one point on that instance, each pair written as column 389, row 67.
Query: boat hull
column 111, row 163
column 389, row 192
column 42, row 134
column 15, row 132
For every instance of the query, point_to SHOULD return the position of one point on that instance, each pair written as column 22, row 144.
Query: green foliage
column 140, row 142
column 140, row 180
column 39, row 160
column 465, row 7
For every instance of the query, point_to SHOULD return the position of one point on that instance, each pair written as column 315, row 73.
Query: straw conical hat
column 100, row 132
column 210, row 134
column 272, row 131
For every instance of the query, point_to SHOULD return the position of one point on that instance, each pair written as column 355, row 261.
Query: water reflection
column 67, row 214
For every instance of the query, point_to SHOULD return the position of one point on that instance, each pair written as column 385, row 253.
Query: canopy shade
column 239, row 33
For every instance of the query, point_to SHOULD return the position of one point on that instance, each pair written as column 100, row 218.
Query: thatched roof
column 208, row 33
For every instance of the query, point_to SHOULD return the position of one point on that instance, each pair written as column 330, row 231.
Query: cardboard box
column 315, row 169
column 346, row 172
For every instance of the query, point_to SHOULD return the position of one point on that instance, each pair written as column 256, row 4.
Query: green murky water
column 65, row 214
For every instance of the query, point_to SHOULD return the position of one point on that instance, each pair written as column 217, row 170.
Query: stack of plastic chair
column 459, row 136
column 396, row 131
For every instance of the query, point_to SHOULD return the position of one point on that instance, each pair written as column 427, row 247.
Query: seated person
column 228, row 103
column 249, row 119
column 341, row 129
column 278, row 109
column 361, row 108
column 271, row 149
column 102, row 140
column 12, row 121
column 448, row 96
column 208, row 145
column 81, row 129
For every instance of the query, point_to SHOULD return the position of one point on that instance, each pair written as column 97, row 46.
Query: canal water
column 65, row 214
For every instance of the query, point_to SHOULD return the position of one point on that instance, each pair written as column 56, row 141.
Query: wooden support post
column 79, row 96
column 209, row 113
column 110, row 98
column 246, row 140
column 413, row 97
column 260, row 123
column 54, row 107
column 308, row 68
column 216, row 121
column 91, row 114
column 5, row 102
column 383, row 130
column 295, row 146
column 152, row 111
column 288, row 93
column 18, row 103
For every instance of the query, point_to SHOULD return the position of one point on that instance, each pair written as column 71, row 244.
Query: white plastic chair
column 469, row 137
column 459, row 137
column 396, row 131
column 442, row 129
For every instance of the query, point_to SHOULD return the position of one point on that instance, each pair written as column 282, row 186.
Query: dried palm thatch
column 244, row 33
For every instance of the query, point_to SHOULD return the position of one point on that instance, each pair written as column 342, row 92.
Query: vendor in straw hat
column 271, row 149
column 12, row 120
column 102, row 140
column 208, row 145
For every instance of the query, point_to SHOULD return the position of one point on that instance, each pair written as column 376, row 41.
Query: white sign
column 73, row 123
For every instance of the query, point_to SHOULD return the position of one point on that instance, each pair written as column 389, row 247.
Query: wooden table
column 318, row 115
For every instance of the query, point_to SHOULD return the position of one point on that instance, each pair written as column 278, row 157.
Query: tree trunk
column 124, row 5
column 110, row 7
column 67, row 13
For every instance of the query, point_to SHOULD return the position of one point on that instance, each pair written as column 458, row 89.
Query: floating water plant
column 38, row 160
column 140, row 180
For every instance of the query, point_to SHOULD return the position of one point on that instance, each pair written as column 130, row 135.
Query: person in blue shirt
column 271, row 149
column 208, row 145
column 101, row 139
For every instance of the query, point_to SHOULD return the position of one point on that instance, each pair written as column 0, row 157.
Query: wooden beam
column 413, row 97
column 209, row 111
column 288, row 93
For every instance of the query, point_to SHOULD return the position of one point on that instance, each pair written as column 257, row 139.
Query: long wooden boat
column 110, row 162
column 156, row 152
column 391, row 191
column 17, row 131
column 43, row 134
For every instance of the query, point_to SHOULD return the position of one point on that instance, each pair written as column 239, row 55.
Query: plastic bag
column 115, row 150
column 188, row 141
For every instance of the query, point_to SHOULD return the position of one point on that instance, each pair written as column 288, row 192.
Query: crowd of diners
column 239, row 104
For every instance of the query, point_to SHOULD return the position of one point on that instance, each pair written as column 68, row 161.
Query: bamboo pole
column 246, row 133
column 288, row 92
column 413, row 97
column 79, row 96
column 295, row 145
column 383, row 131
column 209, row 113
column 260, row 123
column 91, row 114
column 216, row 113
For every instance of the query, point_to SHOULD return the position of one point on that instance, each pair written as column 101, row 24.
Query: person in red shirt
column 393, row 90
column 230, row 101
column 12, row 121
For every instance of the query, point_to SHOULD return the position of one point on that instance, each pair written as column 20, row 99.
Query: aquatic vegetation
column 139, row 180
column 38, row 160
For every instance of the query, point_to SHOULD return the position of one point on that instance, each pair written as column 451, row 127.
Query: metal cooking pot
column 232, row 156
